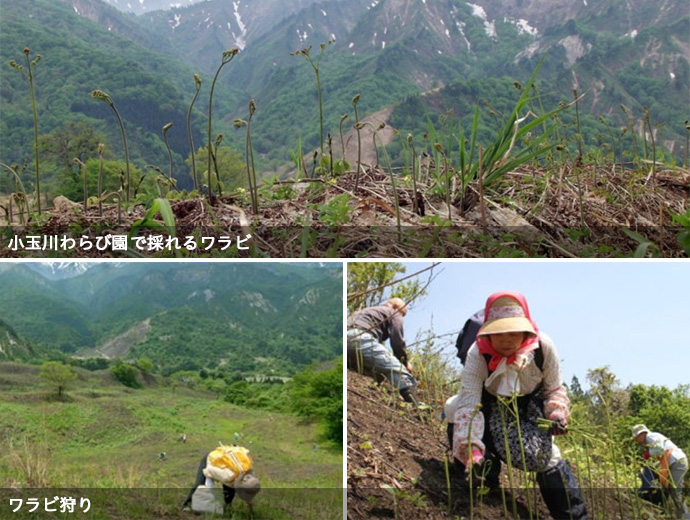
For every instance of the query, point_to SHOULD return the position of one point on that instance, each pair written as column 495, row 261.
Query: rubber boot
column 561, row 493
column 409, row 395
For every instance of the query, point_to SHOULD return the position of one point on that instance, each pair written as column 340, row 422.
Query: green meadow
column 105, row 442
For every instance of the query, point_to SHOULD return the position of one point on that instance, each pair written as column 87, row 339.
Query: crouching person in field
column 673, row 465
column 229, row 466
column 513, row 370
column 367, row 332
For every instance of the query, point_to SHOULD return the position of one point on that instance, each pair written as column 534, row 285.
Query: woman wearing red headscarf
column 513, row 372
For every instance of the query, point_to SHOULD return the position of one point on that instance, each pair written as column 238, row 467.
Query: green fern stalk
column 197, row 83
column 170, row 155
column 30, row 65
column 102, row 96
column 355, row 101
column 226, row 58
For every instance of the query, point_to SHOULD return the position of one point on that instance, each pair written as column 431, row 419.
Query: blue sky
column 633, row 316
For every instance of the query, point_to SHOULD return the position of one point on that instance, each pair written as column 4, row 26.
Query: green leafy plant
column 336, row 212
column 645, row 245
column 58, row 375
column 684, row 234
column 514, row 145
column 126, row 374
column 161, row 206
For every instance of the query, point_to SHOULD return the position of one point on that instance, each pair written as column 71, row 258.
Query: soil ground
column 396, row 467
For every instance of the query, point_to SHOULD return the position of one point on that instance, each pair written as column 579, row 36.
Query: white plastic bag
column 208, row 500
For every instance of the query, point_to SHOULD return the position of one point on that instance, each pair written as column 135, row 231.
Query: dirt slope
column 395, row 462
column 396, row 469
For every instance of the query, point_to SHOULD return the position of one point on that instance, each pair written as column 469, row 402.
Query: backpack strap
column 538, row 358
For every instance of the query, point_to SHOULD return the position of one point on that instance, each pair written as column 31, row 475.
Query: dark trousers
column 559, row 487
column 228, row 492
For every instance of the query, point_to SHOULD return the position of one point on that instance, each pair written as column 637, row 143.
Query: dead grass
column 576, row 211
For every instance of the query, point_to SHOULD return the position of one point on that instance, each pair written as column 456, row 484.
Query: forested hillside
column 265, row 319
column 558, row 133
column 78, row 57
column 611, row 53
column 125, row 374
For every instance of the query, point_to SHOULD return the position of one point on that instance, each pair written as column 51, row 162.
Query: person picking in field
column 510, row 389
column 233, row 468
column 367, row 332
column 673, row 464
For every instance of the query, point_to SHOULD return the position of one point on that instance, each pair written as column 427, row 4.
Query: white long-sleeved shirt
column 521, row 378
column 660, row 444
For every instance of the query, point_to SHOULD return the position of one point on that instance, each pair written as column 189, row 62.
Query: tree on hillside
column 606, row 395
column 371, row 283
column 58, row 375
column 576, row 392
column 318, row 394
column 75, row 139
column 663, row 410
column 126, row 374
column 231, row 168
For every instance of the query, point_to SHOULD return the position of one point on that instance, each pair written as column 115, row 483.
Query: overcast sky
column 633, row 316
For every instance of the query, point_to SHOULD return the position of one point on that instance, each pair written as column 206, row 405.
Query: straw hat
column 506, row 315
column 247, row 487
column 638, row 429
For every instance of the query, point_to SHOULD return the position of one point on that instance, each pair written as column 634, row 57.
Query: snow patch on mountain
column 523, row 26
column 461, row 28
column 176, row 21
column 479, row 12
column 241, row 39
column 574, row 48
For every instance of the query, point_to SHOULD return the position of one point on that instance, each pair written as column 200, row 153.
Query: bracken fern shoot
column 30, row 66
column 102, row 96
column 167, row 145
column 101, row 153
column 317, row 72
column 355, row 101
column 197, row 83
column 226, row 58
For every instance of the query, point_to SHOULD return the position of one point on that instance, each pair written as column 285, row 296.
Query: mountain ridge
column 614, row 51
column 192, row 313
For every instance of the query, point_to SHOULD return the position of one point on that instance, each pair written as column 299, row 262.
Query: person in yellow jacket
column 232, row 466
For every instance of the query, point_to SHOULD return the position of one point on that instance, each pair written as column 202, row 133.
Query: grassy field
column 104, row 441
